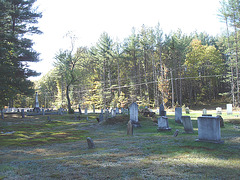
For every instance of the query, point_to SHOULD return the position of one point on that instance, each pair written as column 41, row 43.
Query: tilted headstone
column 86, row 113
column 130, row 128
column 209, row 129
column 178, row 115
column 90, row 143
column 134, row 115
column 229, row 109
column 176, row 133
column 187, row 124
column 221, row 121
column 79, row 109
column 163, row 124
column 22, row 113
column 219, row 110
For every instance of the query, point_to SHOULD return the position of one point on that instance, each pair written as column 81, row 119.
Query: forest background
column 149, row 67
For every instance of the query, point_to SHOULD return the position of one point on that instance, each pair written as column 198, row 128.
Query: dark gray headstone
column 221, row 121
column 130, row 128
column 134, row 112
column 2, row 114
column 101, row 117
column 22, row 113
column 209, row 129
column 90, row 143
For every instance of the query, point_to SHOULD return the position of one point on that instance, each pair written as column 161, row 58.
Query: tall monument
column 36, row 108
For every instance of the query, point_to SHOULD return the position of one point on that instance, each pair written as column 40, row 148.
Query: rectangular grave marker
column 178, row 115
column 187, row 123
column 229, row 109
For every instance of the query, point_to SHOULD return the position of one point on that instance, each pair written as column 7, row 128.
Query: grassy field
column 35, row 148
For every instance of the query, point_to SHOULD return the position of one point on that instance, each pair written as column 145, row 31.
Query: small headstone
column 22, row 113
column 187, row 124
column 187, row 110
column 219, row 110
column 130, row 128
column 176, row 133
column 100, row 117
column 178, row 115
column 90, row 143
column 94, row 108
column 117, row 110
column 209, row 129
column 86, row 113
column 229, row 109
column 79, row 109
column 204, row 111
column 113, row 113
column 221, row 121
column 161, row 110
column 43, row 112
column 163, row 124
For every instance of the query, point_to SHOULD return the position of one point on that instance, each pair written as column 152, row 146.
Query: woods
column 149, row 66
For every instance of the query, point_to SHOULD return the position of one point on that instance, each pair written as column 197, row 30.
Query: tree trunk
column 68, row 98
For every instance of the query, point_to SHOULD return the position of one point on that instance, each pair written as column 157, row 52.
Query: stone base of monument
column 210, row 141
column 36, row 109
column 164, row 129
column 136, row 124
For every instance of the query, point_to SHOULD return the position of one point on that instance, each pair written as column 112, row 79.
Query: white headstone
column 204, row 111
column 229, row 108
column 134, row 112
column 187, row 124
column 219, row 110
column 163, row 124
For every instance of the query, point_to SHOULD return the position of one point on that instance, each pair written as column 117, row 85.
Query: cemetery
column 100, row 144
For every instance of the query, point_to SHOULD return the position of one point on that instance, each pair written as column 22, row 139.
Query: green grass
column 58, row 149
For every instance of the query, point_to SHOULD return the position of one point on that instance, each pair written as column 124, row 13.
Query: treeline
column 147, row 67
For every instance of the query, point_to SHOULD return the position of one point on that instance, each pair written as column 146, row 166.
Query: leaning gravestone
column 209, row 129
column 134, row 115
column 130, row 128
column 163, row 124
column 90, row 143
column 178, row 115
column 187, row 124
column 229, row 109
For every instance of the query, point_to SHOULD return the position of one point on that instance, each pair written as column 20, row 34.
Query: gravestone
column 117, row 110
column 187, row 110
column 60, row 111
column 86, row 111
column 163, row 124
column 204, row 111
column 219, row 110
column 36, row 108
column 209, row 129
column 130, row 128
column 178, row 115
column 100, row 119
column 43, row 112
column 134, row 115
column 90, row 143
column 101, row 111
column 22, row 113
column 121, row 110
column 187, row 124
column 79, row 109
column 176, row 133
column 113, row 113
column 221, row 121
column 229, row 109
column 94, row 108
column 161, row 110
